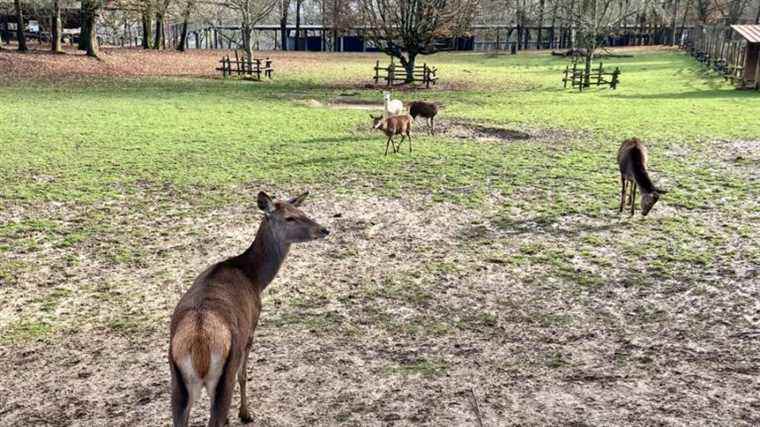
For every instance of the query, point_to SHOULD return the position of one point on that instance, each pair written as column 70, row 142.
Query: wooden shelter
column 751, row 66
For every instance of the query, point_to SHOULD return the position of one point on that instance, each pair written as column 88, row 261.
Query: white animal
column 393, row 107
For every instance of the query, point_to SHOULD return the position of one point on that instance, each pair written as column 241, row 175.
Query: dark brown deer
column 632, row 159
column 394, row 125
column 213, row 323
column 428, row 110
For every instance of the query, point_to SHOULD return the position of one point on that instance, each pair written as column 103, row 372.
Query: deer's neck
column 640, row 174
column 263, row 259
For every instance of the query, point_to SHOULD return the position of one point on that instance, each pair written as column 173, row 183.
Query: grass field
column 476, row 272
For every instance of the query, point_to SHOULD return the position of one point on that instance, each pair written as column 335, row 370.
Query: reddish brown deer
column 213, row 324
column 394, row 125
column 632, row 159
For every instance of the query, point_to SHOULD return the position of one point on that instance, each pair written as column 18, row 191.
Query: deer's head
column 288, row 223
column 377, row 121
column 386, row 95
column 649, row 199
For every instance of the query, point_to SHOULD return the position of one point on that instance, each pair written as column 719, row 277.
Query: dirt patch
column 477, row 131
column 344, row 104
column 484, row 132
column 355, row 104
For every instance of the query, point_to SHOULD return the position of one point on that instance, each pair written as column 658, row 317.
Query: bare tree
column 20, row 27
column 161, row 7
column 298, row 24
column 595, row 20
column 404, row 29
column 88, row 38
column 733, row 10
column 57, row 28
column 250, row 12
column 187, row 11
column 284, row 7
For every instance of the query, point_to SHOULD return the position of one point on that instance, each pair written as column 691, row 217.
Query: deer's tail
column 199, row 350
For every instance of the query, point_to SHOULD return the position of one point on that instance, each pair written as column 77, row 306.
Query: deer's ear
column 296, row 201
column 265, row 202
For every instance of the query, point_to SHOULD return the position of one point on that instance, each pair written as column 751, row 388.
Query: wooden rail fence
column 393, row 74
column 575, row 75
column 243, row 67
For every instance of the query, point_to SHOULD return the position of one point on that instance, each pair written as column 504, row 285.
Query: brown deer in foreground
column 213, row 323
column 632, row 159
column 394, row 125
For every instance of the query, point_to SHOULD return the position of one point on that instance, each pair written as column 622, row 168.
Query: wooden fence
column 575, row 75
column 393, row 74
column 243, row 67
column 720, row 50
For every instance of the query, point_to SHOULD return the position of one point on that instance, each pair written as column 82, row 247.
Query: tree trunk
column 183, row 36
column 88, row 38
column 298, row 24
column 55, row 42
column 335, row 25
column 408, row 64
column 247, row 32
column 757, row 16
column 587, row 67
column 685, row 14
column 673, row 32
column 20, row 27
column 569, row 42
column 147, row 26
column 83, row 26
column 284, row 25
column 540, row 24
column 159, row 41
column 6, row 34
column 552, row 34
column 185, row 22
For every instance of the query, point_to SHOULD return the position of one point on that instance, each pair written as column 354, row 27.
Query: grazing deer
column 428, row 110
column 396, row 125
column 213, row 323
column 632, row 159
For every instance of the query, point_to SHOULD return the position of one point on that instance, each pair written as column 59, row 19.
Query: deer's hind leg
column 243, row 413
column 221, row 398
column 182, row 398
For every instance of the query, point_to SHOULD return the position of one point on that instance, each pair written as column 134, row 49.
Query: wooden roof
column 750, row 32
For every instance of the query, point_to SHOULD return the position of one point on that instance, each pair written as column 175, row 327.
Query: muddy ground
column 410, row 312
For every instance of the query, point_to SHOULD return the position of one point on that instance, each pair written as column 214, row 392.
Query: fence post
column 615, row 78
column 564, row 80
